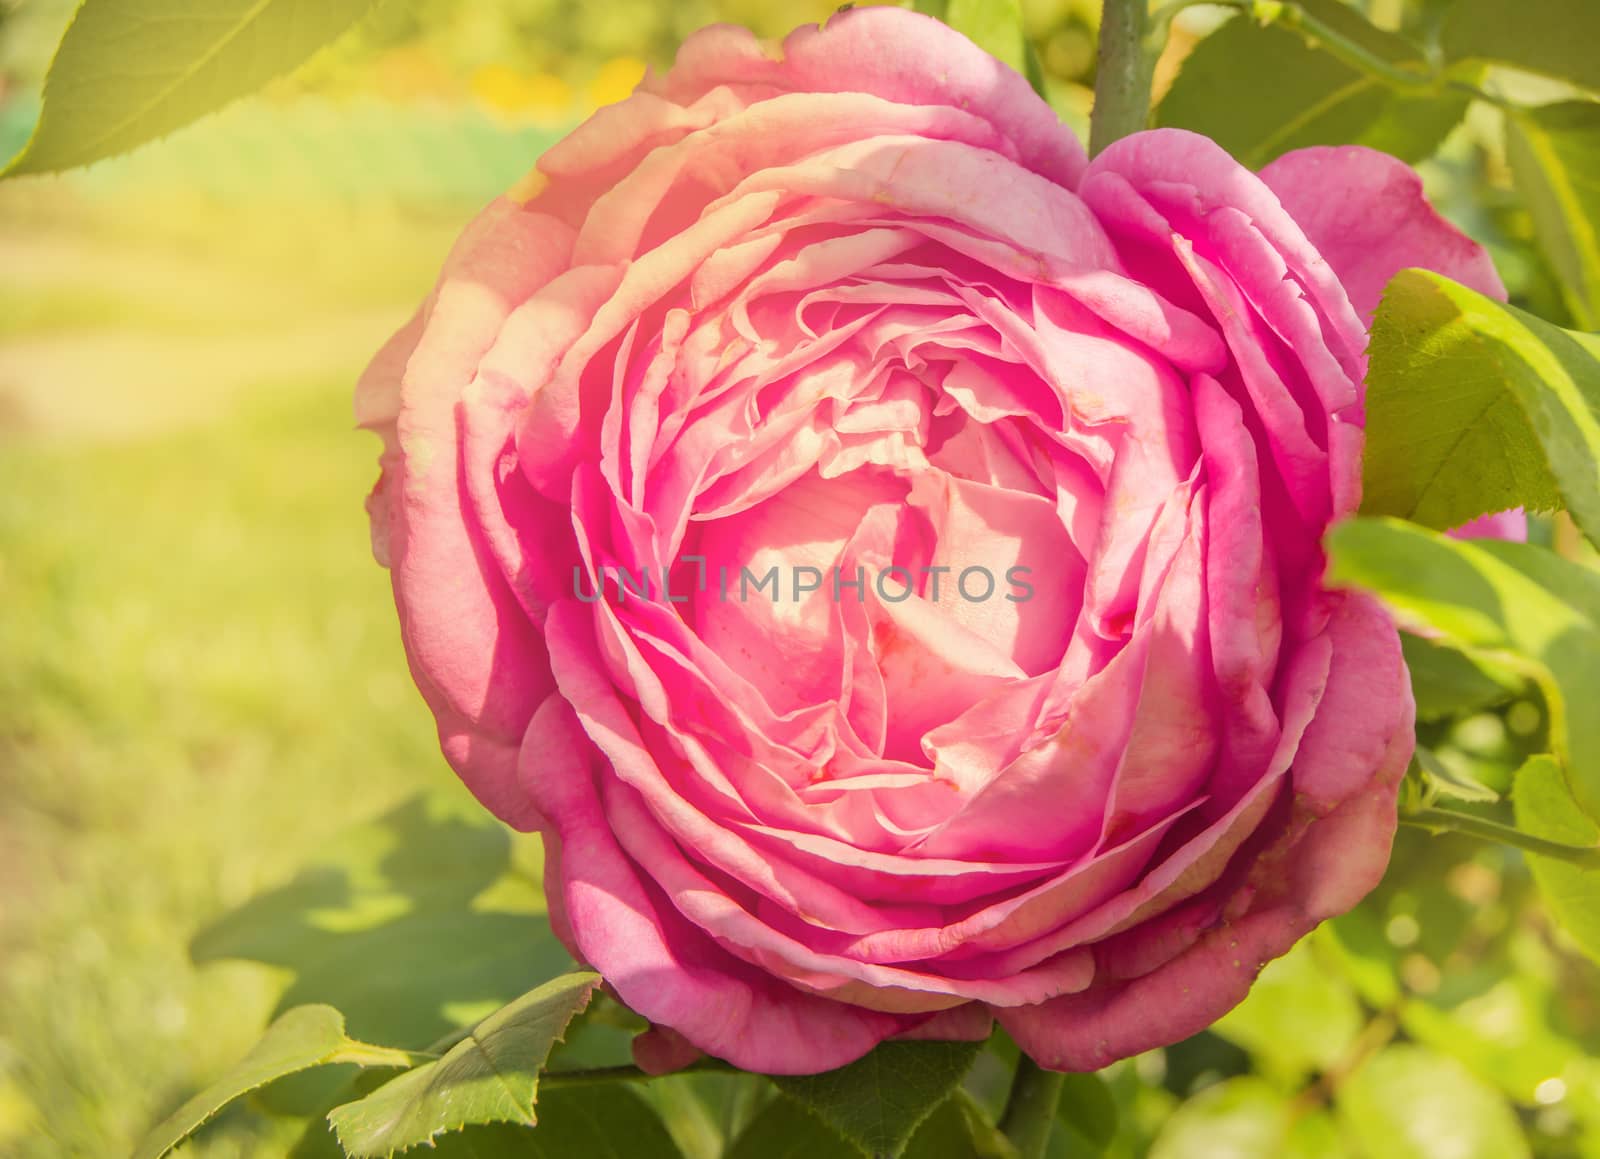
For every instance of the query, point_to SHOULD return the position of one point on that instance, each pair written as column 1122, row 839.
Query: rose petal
column 1366, row 213
column 660, row 965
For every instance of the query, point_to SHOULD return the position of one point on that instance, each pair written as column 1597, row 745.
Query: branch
column 1126, row 66
column 628, row 1074
column 1447, row 821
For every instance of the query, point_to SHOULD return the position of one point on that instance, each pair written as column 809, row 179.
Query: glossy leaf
column 1554, row 152
column 128, row 71
column 302, row 1038
column 1545, row 808
column 432, row 891
column 1573, row 583
column 786, row 1130
column 959, row 1129
column 705, row 1112
column 603, row 1121
column 317, row 1140
column 878, row 1101
column 1475, row 407
column 1317, row 99
column 1479, row 602
column 490, row 1076
column 956, row 1129
column 1445, row 683
column 1406, row 1102
column 1552, row 37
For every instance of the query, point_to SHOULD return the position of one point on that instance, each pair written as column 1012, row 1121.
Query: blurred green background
column 200, row 677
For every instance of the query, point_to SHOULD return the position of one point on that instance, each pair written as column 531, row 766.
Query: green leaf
column 1406, row 1102
column 1477, row 600
column 494, row 1141
column 704, row 1112
column 878, row 1101
column 490, row 1076
column 1243, row 1118
column 786, row 1130
column 128, row 71
column 1300, row 1017
column 603, row 1121
column 1316, row 98
column 317, row 1140
column 1447, row 684
column 1475, row 407
column 1574, row 584
column 1086, row 1114
column 304, row 1037
column 413, row 924
column 994, row 26
column 1545, row 808
column 609, row 1121
column 959, row 1129
column 1552, row 37
column 1554, row 151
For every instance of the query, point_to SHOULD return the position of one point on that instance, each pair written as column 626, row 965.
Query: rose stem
column 1123, row 74
column 1031, row 1108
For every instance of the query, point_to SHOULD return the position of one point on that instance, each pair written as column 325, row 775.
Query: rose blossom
column 859, row 300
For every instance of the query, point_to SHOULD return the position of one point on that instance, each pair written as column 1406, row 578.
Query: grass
column 200, row 682
column 35, row 314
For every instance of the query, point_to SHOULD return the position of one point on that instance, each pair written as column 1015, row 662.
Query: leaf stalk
column 1438, row 821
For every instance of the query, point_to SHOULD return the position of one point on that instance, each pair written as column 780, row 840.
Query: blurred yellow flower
column 615, row 80
column 506, row 90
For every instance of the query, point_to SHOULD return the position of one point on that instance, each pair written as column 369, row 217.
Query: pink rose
column 859, row 301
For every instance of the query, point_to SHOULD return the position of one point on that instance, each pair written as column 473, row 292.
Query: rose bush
column 859, row 301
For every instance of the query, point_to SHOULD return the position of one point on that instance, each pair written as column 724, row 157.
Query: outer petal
column 888, row 52
column 1181, row 209
column 475, row 656
column 378, row 410
column 1183, row 169
column 1365, row 211
column 969, row 1023
column 1366, row 714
